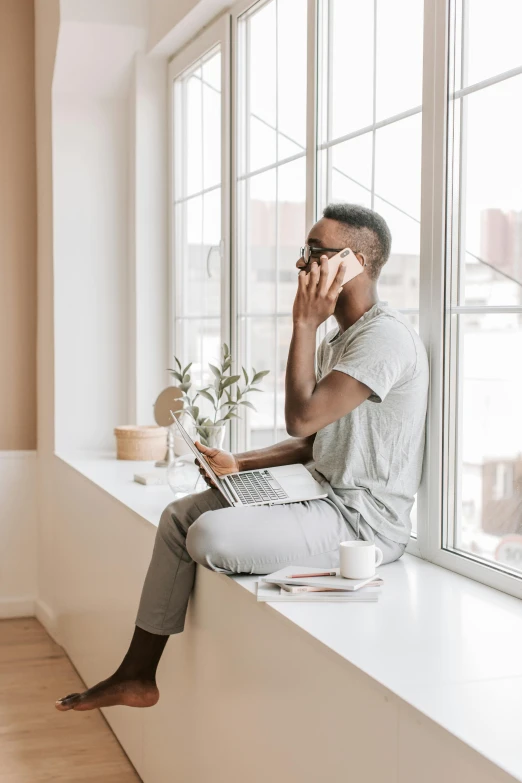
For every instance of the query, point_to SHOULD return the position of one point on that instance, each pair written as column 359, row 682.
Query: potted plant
column 226, row 394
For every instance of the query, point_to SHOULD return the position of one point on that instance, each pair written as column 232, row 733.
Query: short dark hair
column 373, row 234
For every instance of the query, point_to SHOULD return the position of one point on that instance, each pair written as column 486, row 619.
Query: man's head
column 356, row 227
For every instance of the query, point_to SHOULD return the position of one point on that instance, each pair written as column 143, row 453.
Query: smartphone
column 353, row 266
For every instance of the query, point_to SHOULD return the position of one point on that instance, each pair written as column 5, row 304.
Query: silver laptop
column 264, row 487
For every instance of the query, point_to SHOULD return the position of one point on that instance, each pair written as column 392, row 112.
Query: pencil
column 308, row 576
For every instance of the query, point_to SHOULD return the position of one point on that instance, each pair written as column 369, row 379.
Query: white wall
column 18, row 533
column 148, row 240
column 90, row 169
column 173, row 24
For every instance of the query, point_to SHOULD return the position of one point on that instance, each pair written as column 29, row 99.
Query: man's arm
column 310, row 406
column 288, row 452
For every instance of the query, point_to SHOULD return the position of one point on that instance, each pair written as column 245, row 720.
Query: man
column 360, row 418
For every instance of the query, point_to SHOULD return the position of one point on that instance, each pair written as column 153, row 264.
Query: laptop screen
column 198, row 455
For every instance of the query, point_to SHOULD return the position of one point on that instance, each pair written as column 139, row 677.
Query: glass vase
column 212, row 435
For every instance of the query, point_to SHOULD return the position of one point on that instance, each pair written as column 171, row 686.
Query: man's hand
column 315, row 301
column 221, row 462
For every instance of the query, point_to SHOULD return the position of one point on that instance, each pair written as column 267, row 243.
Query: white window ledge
column 446, row 645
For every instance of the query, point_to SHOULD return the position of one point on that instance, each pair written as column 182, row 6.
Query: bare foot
column 108, row 693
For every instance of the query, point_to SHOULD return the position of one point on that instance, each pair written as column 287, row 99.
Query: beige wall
column 17, row 227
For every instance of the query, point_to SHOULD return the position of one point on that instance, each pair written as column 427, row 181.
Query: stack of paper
column 284, row 586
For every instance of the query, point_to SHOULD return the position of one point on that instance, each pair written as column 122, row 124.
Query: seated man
column 360, row 418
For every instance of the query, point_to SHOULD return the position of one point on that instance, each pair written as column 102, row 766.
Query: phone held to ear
column 353, row 266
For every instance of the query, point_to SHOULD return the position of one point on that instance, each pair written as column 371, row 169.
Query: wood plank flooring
column 38, row 743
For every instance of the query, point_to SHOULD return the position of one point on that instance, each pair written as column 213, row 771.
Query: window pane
column 349, row 34
column 483, row 440
column 258, row 341
column 492, row 195
column 270, row 218
column 489, row 472
column 211, row 125
column 193, row 133
column 291, row 229
column 291, row 77
column 493, row 34
column 199, row 342
column 381, row 167
column 257, row 268
column 399, row 56
column 198, row 256
column 261, row 93
column 197, row 215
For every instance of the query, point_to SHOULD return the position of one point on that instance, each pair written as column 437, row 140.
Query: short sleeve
column 381, row 356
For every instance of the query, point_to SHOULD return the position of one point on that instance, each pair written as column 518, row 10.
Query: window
column 369, row 125
column 412, row 109
column 270, row 193
column 199, row 249
column 483, row 297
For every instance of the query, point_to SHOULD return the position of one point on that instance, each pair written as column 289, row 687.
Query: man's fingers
column 315, row 272
column 201, row 447
column 302, row 280
column 338, row 281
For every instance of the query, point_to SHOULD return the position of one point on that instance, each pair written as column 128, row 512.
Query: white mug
column 359, row 559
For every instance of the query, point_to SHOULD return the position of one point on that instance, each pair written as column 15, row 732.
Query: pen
column 308, row 576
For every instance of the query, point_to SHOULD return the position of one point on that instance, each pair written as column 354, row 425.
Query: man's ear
column 361, row 258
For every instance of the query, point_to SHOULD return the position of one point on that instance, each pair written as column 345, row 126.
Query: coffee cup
column 359, row 559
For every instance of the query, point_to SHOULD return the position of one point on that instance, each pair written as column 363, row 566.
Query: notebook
column 283, row 577
column 274, row 593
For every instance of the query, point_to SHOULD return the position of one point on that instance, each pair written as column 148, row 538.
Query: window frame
column 216, row 34
column 435, row 162
column 435, row 269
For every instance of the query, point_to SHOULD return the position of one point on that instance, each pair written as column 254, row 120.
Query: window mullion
column 432, row 269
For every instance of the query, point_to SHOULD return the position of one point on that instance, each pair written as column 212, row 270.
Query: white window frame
column 215, row 34
column 432, row 303
column 432, row 512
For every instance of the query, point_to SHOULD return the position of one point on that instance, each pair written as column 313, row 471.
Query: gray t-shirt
column 372, row 457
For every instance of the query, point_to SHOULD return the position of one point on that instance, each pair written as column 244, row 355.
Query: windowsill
column 446, row 645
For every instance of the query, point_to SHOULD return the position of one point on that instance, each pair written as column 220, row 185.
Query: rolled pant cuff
column 159, row 631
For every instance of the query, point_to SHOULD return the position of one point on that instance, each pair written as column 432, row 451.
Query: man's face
column 326, row 238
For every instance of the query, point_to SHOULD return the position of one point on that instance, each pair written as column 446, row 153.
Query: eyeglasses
column 307, row 252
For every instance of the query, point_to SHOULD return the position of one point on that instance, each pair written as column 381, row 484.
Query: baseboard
column 16, row 607
column 45, row 615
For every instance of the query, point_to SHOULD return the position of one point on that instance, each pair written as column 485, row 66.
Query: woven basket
column 141, row 443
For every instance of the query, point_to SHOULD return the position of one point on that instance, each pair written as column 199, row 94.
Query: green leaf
column 253, row 389
column 186, row 378
column 257, row 377
column 177, row 362
column 215, row 370
column 226, row 352
column 204, row 393
column 229, row 381
column 194, row 411
column 230, row 415
column 176, row 375
column 248, row 405
column 184, row 387
column 245, row 375
column 187, row 368
column 227, row 364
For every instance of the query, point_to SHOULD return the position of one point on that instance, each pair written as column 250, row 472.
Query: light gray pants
column 202, row 529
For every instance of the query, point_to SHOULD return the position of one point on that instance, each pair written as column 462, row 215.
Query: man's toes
column 68, row 702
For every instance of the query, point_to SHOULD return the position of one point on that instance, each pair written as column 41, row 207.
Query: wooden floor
column 38, row 743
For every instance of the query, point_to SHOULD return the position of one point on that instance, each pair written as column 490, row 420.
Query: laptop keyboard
column 257, row 487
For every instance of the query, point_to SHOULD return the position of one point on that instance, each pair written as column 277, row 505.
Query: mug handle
column 378, row 557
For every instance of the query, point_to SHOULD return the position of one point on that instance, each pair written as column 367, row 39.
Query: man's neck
column 352, row 305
